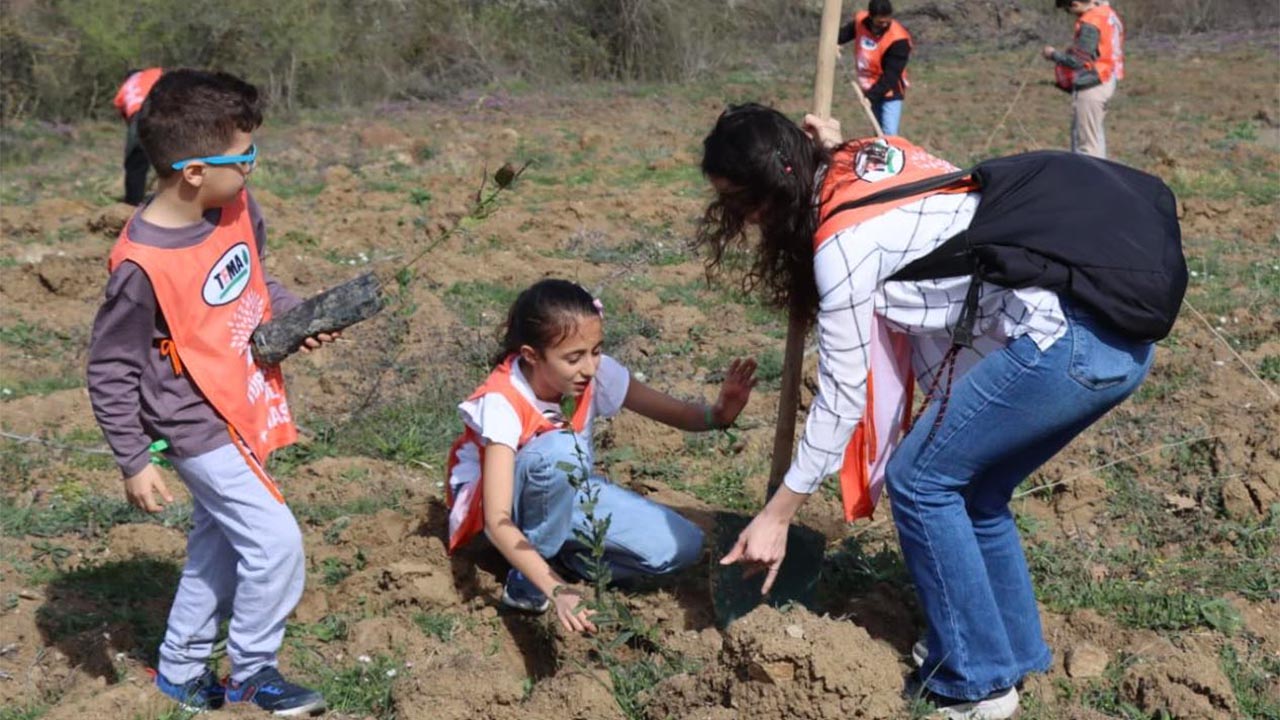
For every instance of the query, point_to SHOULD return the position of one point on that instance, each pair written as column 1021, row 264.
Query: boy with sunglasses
column 170, row 368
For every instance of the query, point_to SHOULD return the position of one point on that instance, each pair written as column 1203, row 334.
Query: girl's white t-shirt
column 493, row 418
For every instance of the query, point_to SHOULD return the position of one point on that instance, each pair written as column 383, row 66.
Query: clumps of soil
column 793, row 665
column 1182, row 683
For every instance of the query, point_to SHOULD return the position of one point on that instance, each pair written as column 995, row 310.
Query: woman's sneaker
column 271, row 692
column 999, row 705
column 919, row 653
column 521, row 594
column 201, row 693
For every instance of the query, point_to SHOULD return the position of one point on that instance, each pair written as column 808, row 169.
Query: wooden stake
column 793, row 359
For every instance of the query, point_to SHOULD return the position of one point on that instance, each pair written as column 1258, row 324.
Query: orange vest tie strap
column 169, row 351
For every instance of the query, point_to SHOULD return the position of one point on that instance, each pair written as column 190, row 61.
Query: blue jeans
column 644, row 538
column 888, row 114
column 1010, row 413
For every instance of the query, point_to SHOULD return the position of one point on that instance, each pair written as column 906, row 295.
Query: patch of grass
column 362, row 689
column 725, row 488
column 88, row 515
column 329, row 628
column 285, row 184
column 11, row 389
column 286, row 461
column 1104, row 694
column 441, row 626
column 28, row 711
column 1166, row 379
column 621, row 327
column 1243, row 130
column 419, row 197
column 18, row 461
column 768, row 364
column 715, row 443
column 1251, row 681
column 1269, row 368
column 644, row 250
column 1230, row 278
column 1133, row 502
column 689, row 293
column 420, row 428
column 334, row 570
column 29, row 142
column 632, row 679
column 1064, row 583
column 1253, row 179
column 35, row 339
column 300, row 239
column 480, row 303
column 684, row 179
column 323, row 513
column 849, row 570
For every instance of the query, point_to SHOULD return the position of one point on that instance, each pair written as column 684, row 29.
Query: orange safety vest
column 466, row 507
column 869, row 51
column 1110, row 61
column 859, row 169
column 134, row 91
column 213, row 295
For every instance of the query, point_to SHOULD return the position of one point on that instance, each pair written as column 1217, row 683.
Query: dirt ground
column 1153, row 537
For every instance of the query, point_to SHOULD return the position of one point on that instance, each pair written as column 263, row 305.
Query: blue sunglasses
column 249, row 158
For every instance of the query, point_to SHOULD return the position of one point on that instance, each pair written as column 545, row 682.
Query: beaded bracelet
column 707, row 420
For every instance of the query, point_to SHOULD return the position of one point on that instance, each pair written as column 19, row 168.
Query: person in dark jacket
column 882, row 49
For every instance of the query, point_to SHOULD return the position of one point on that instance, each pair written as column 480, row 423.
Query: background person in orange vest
column 169, row 360
column 513, row 469
column 882, row 49
column 1040, row 370
column 1089, row 70
column 128, row 101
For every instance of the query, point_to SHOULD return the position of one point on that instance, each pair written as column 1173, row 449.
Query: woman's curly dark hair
column 769, row 165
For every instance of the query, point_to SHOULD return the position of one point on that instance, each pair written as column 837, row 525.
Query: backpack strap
column 918, row 187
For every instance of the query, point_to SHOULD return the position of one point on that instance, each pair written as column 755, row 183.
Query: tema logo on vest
column 877, row 161
column 228, row 277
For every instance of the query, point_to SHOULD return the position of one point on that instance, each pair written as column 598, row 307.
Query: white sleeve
column 612, row 383
column 846, row 269
column 493, row 418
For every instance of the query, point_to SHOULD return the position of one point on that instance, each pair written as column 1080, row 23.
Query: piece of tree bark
column 334, row 309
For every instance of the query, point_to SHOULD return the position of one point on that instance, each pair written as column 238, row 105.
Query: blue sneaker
column 521, row 594
column 195, row 695
column 271, row 692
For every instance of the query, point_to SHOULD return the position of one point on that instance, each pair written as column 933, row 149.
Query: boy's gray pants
column 244, row 561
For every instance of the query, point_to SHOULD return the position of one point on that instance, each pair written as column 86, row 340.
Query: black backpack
column 1104, row 234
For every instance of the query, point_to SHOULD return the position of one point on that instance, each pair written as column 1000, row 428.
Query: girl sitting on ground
column 516, row 470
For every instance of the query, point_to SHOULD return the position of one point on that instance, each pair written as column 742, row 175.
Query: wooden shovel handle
column 865, row 102
column 793, row 358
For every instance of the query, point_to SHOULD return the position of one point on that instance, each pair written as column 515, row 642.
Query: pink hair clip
column 787, row 169
column 599, row 306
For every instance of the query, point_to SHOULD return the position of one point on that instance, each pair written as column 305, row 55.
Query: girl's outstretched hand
column 736, row 390
column 573, row 615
